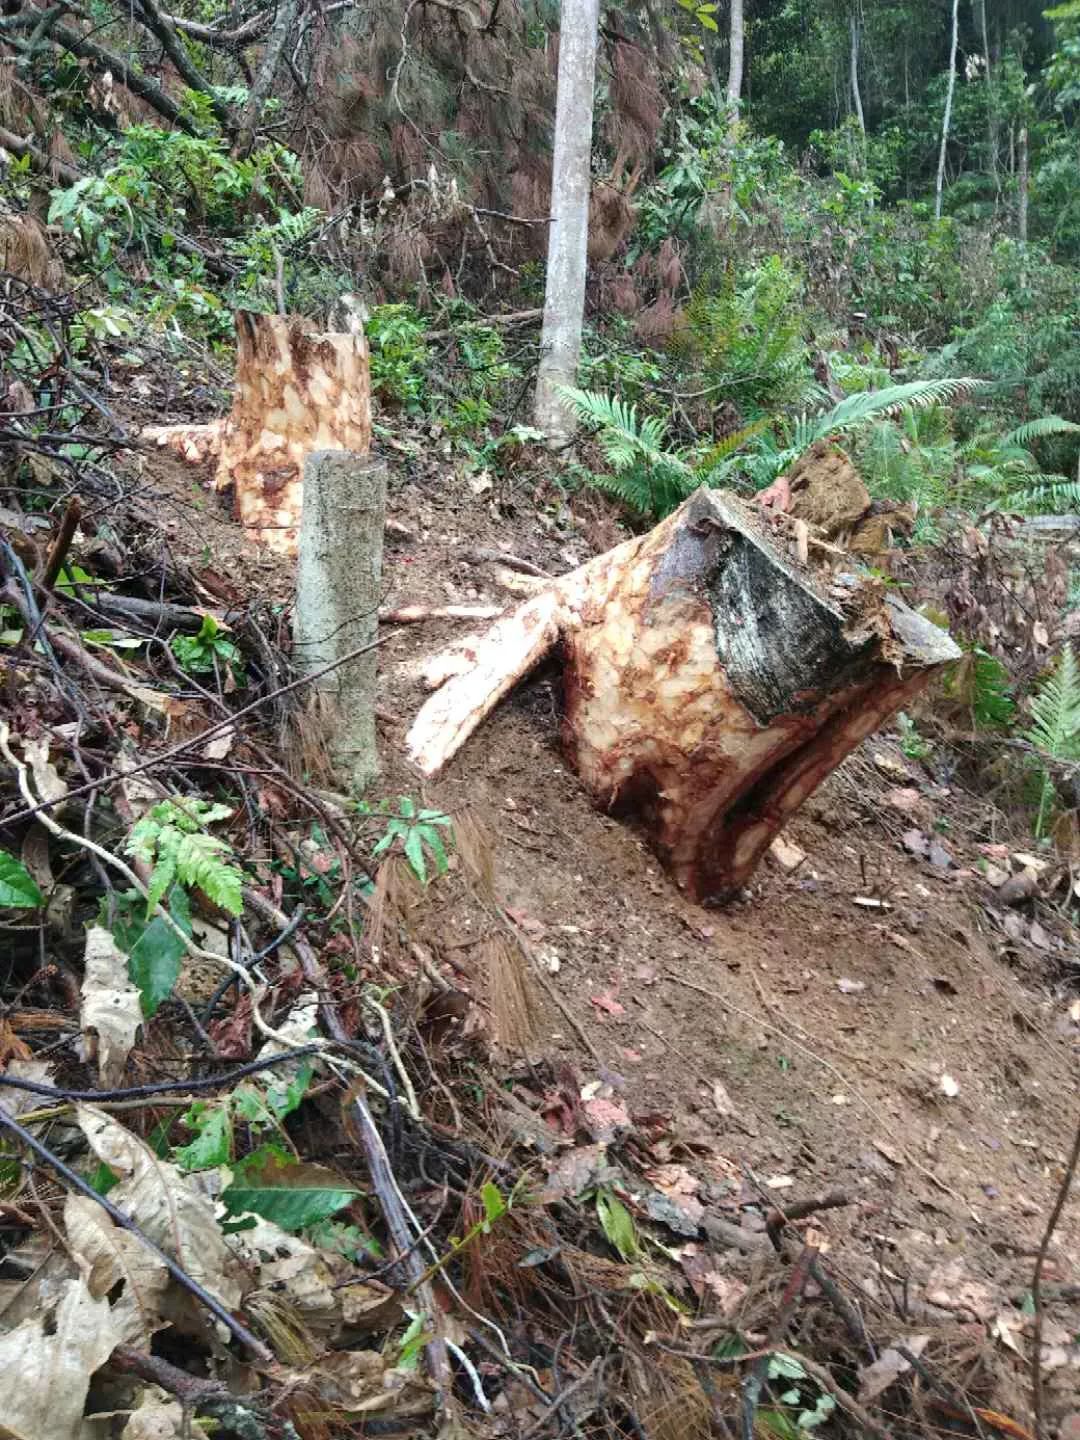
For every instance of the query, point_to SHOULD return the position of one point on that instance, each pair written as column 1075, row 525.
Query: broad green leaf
column 110, row 639
column 494, row 1204
column 618, row 1224
column 212, row 1145
column 154, row 958
column 414, row 853
column 785, row 1368
column 291, row 1193
column 412, row 1342
column 17, row 888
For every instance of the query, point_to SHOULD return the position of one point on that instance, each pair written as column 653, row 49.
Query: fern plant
column 173, row 838
column 1055, row 725
column 1007, row 474
column 654, row 480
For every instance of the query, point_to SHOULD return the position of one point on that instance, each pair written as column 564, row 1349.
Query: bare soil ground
column 868, row 1021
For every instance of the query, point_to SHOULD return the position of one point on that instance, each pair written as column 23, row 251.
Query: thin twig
column 162, row 1087
column 1036, row 1283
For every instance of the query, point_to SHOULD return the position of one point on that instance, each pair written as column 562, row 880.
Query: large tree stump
column 710, row 683
column 296, row 391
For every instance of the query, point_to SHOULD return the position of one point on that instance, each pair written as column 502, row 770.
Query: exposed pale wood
column 296, row 391
column 710, row 684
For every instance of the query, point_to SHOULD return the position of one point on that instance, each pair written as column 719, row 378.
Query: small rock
column 995, row 877
column 1019, row 887
column 787, row 854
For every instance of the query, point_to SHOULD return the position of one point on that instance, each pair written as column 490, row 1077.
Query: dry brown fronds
column 637, row 104
column 310, row 729
column 657, row 322
column 515, row 1011
column 25, row 251
column 667, row 1397
column 391, row 914
column 476, row 848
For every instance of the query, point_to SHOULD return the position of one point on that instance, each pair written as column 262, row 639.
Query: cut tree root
column 710, row 683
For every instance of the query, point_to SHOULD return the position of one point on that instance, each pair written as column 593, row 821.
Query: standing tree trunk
column 947, row 119
column 856, row 93
column 338, row 584
column 736, row 59
column 1023, row 183
column 568, row 238
column 991, row 106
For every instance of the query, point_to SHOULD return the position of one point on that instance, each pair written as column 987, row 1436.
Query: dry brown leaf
column 44, row 1378
column 17, row 1102
column 291, row 1267
column 158, row 1417
column 875, row 1379
column 47, row 780
column 361, row 1382
column 164, row 1205
column 111, row 1256
column 110, row 1004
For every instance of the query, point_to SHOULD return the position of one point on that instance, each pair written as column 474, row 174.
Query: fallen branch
column 161, row 1087
column 117, row 1216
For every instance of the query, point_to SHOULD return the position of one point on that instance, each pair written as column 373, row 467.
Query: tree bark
column 947, row 118
column 296, row 391
column 710, row 683
column 856, row 93
column 568, row 235
column 338, row 586
column 1023, row 186
column 736, row 58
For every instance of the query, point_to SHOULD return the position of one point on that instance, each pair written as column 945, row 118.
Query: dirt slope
column 907, row 1051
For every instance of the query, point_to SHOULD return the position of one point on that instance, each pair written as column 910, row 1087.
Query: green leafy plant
column 911, row 742
column 197, row 654
column 18, row 890
column 172, row 837
column 260, row 1106
column 618, row 1225
column 416, row 830
column 153, row 947
column 1055, row 726
column 399, row 355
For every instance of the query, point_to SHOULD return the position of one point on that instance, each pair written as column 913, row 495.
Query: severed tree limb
column 244, row 34
column 710, row 684
column 284, row 21
column 161, row 28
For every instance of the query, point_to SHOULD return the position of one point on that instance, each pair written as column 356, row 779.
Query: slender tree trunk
column 1022, row 184
column 568, row 235
column 736, row 60
column 856, row 93
column 991, row 107
column 947, row 119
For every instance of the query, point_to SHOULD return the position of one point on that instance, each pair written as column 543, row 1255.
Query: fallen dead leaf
column 607, row 1003
column 787, row 854
column 361, row 1382
column 722, row 1100
column 850, row 987
column 779, row 1182
column 890, row 1153
column 605, row 1118
column 110, row 1004
column 158, row 1417
column 875, row 1379
column 165, row 1205
column 951, row 1288
column 111, row 1256
column 47, row 1362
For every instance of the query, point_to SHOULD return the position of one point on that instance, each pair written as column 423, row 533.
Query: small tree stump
column 710, row 684
column 338, row 585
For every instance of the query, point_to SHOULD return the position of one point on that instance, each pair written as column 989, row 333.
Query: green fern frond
column 171, row 838
column 1043, row 495
column 729, row 445
column 1055, row 711
column 623, row 435
column 1038, row 429
column 1055, row 727
column 893, row 400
